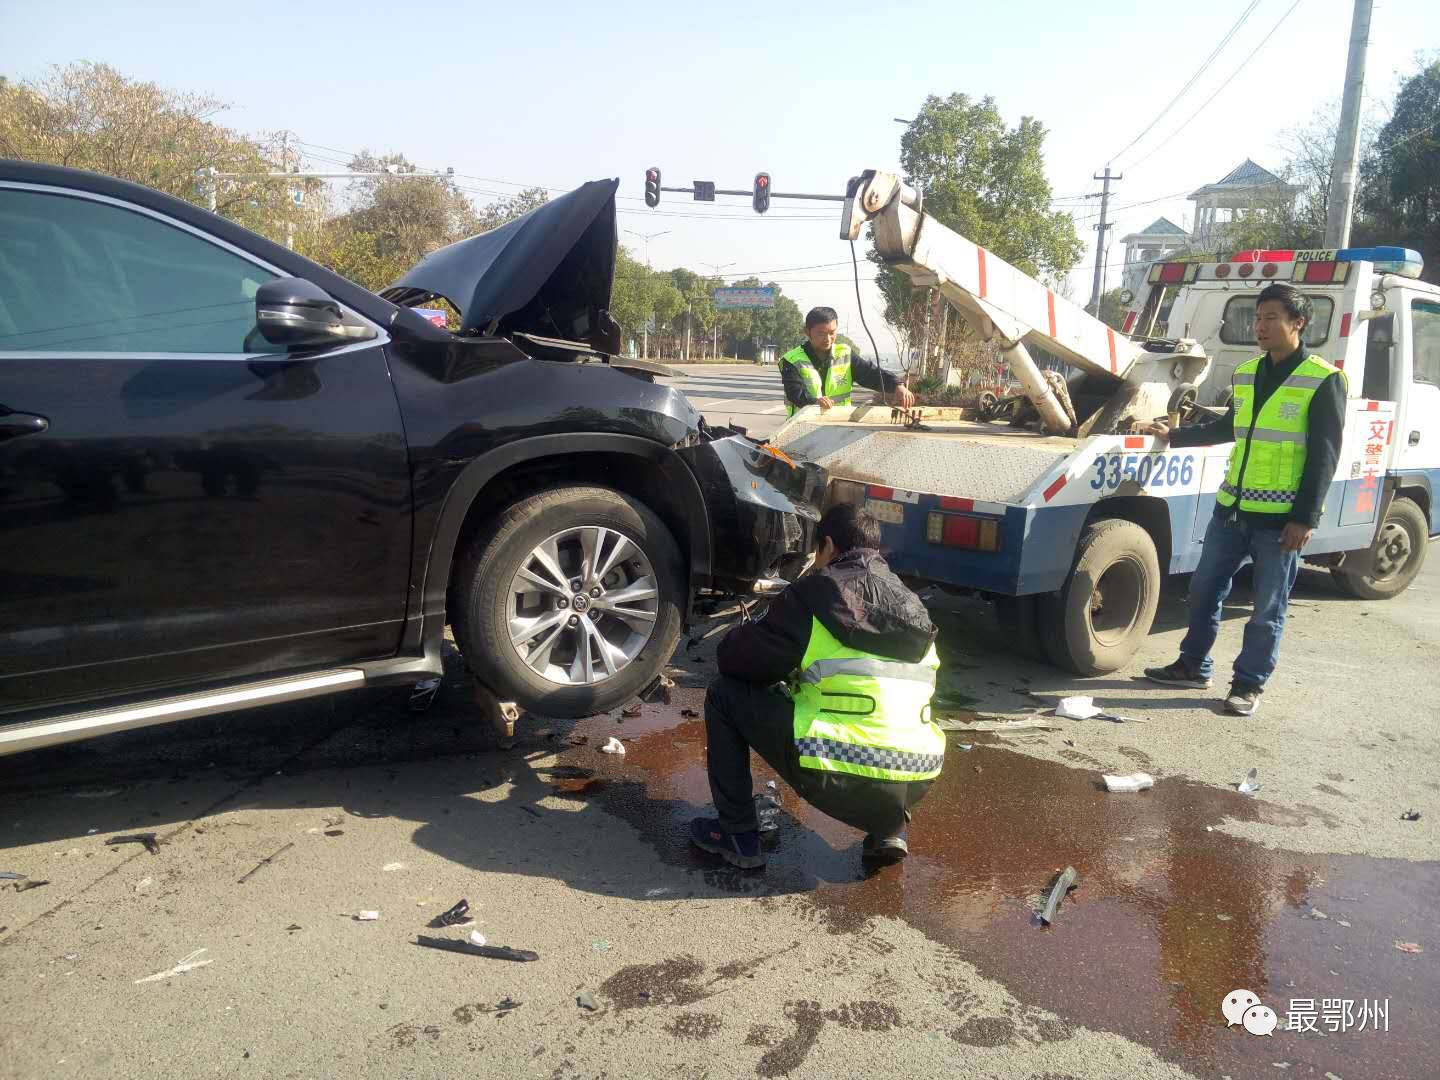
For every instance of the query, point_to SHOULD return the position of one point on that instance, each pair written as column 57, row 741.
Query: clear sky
column 557, row 91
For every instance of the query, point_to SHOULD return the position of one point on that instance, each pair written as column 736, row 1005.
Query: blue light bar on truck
column 1387, row 260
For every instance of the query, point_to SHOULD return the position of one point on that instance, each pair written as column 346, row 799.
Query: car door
column 180, row 503
column 1418, row 431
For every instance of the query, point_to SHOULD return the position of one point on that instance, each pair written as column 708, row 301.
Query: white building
column 1247, row 191
column 1158, row 240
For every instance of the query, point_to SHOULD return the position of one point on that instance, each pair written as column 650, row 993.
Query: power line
column 1219, row 90
column 1193, row 78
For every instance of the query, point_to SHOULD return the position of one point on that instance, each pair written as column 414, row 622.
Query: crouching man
column 850, row 727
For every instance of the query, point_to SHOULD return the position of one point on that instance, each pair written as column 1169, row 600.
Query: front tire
column 1095, row 624
column 1398, row 554
column 572, row 603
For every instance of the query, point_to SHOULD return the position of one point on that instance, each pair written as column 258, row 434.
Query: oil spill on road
column 1167, row 920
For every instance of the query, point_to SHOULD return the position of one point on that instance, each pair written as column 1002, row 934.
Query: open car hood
column 548, row 273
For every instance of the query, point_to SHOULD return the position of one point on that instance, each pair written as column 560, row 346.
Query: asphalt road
column 277, row 827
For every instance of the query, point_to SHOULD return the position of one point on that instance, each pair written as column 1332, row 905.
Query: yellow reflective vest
column 838, row 381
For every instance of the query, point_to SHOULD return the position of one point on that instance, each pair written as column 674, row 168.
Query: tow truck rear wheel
column 1398, row 554
column 1098, row 620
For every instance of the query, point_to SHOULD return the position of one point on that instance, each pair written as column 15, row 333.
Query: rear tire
column 1398, row 551
column 1095, row 624
column 485, row 608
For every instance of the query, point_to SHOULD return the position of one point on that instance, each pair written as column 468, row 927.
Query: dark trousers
column 740, row 717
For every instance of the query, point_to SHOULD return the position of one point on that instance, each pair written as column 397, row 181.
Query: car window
column 83, row 276
column 1425, row 331
column 1237, row 326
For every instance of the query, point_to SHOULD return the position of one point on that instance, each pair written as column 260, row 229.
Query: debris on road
column 367, row 916
column 767, row 808
column 601, row 946
column 658, row 692
column 1063, row 885
column 423, row 695
column 26, row 884
column 459, row 915
column 632, row 711
column 1033, row 723
column 1084, row 708
column 391, row 867
column 476, row 938
column 1408, row 947
column 144, row 883
column 334, row 832
column 585, row 1001
column 964, row 746
column 147, row 838
column 613, row 746
column 492, row 952
column 10, row 875
column 265, row 862
column 690, row 714
column 1410, row 815
column 1249, row 785
column 187, row 963
column 1138, row 781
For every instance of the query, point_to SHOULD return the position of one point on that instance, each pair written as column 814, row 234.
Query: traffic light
column 652, row 186
column 761, row 198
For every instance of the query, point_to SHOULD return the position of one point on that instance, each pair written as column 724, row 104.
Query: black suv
column 229, row 476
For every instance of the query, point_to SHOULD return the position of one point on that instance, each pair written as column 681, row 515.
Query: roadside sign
column 745, row 297
column 704, row 190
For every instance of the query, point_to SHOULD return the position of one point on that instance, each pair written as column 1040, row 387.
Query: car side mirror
column 298, row 314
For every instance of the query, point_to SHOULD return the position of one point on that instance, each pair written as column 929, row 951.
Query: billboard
column 744, row 297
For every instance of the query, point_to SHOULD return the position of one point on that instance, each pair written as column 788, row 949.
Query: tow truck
column 1066, row 518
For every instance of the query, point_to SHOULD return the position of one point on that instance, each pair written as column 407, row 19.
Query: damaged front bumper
column 763, row 510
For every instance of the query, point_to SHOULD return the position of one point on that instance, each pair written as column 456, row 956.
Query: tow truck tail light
column 1321, row 273
column 963, row 531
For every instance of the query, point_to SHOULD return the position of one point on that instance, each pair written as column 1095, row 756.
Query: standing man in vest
column 823, row 372
column 1287, row 417
column 851, row 732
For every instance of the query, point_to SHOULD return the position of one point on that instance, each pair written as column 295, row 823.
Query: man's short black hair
column 850, row 527
column 819, row 316
column 1297, row 305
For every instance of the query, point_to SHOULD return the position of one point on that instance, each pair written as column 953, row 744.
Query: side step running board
column 51, row 731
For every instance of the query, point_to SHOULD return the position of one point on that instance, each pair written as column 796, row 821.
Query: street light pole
column 718, row 268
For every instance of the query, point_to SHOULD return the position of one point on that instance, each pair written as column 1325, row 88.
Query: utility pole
column 717, row 268
column 1340, row 206
column 1100, row 241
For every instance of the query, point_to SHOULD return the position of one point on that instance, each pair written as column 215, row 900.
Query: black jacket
column 865, row 373
column 856, row 598
column 1323, row 436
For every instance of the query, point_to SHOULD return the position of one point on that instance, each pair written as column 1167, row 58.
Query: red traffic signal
column 652, row 186
column 761, row 197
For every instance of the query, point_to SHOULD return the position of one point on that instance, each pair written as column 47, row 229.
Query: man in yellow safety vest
column 1287, row 418
column 823, row 371
column 851, row 732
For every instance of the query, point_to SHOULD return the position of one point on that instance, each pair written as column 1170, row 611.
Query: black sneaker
column 738, row 849
column 884, row 850
column 1178, row 674
column 1243, row 700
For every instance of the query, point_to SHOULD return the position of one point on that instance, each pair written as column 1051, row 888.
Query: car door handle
column 1414, row 438
column 15, row 424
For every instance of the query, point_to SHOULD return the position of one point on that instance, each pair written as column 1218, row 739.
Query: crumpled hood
column 548, row 273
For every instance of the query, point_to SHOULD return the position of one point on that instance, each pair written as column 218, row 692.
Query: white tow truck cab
column 1067, row 520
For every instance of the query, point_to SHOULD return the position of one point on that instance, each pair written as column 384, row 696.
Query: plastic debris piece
column 476, row 938
column 27, row 884
column 1249, row 785
column 492, row 952
column 1410, row 815
column 1224, row 918
column 632, row 711
column 1077, row 708
column 1408, row 947
column 265, row 862
column 10, row 875
column 187, row 963
column 1063, row 884
column 144, row 883
column 658, row 892
column 585, row 1001
column 964, row 746
column 459, row 915
column 1138, row 781
column 1343, row 923
column 366, row 916
column 147, row 838
column 613, row 746
column 602, row 946
column 423, row 695
column 391, row 867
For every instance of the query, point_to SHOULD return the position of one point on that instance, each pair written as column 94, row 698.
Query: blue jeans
column 1227, row 545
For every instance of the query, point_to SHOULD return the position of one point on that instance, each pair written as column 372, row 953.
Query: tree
column 505, row 210
column 1112, row 309
column 986, row 181
column 89, row 116
column 1400, row 179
